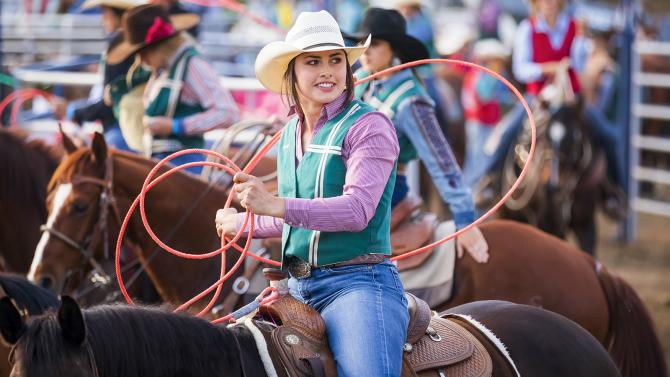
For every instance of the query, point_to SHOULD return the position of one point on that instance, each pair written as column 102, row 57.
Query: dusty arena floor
column 645, row 264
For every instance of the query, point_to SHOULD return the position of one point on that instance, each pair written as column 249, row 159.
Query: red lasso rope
column 231, row 168
column 20, row 96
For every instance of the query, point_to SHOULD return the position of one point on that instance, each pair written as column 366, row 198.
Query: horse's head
column 50, row 345
column 80, row 203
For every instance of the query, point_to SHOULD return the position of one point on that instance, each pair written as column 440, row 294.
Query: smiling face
column 321, row 77
column 378, row 56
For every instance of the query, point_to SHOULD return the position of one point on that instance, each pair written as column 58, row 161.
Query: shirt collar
column 329, row 111
column 395, row 79
column 561, row 23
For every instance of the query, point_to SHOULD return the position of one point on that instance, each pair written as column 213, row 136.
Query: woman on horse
column 183, row 97
column 402, row 97
column 336, row 171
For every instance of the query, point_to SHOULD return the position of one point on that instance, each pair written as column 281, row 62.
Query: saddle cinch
column 295, row 338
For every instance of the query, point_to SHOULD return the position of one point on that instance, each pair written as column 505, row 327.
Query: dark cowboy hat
column 147, row 25
column 390, row 25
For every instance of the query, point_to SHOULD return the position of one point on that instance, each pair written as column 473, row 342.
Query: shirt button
column 300, row 224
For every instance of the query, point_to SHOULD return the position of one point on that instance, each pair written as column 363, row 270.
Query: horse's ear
column 99, row 148
column 71, row 321
column 68, row 144
column 11, row 321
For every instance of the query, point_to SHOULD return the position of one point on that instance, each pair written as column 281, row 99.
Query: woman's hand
column 473, row 242
column 158, row 126
column 254, row 197
column 226, row 222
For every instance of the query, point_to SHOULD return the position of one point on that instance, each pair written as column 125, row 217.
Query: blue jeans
column 114, row 137
column 476, row 135
column 400, row 189
column 192, row 157
column 605, row 133
column 365, row 312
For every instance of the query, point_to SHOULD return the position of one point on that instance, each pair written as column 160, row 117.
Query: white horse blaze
column 62, row 193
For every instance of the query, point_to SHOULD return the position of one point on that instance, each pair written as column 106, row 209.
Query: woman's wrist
column 279, row 208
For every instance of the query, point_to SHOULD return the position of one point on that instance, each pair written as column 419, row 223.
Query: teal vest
column 321, row 174
column 388, row 99
column 166, row 103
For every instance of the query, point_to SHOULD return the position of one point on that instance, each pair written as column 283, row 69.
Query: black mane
column 135, row 341
column 27, row 295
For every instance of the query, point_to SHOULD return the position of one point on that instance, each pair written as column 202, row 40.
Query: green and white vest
column 388, row 100
column 321, row 174
column 163, row 98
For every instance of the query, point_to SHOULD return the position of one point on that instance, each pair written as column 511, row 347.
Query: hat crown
column 380, row 21
column 312, row 29
column 138, row 21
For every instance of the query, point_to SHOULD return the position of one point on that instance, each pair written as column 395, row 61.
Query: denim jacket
column 416, row 120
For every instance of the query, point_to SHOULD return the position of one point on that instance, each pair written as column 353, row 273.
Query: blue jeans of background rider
column 114, row 138
column 400, row 190
column 365, row 313
column 605, row 134
column 476, row 135
column 184, row 159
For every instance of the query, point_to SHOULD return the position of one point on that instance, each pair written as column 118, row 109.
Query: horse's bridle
column 100, row 231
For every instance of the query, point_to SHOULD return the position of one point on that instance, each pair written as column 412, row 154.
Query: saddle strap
column 318, row 370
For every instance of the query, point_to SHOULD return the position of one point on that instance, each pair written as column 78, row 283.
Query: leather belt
column 300, row 269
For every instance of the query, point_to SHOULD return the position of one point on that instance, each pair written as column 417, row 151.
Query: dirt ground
column 645, row 264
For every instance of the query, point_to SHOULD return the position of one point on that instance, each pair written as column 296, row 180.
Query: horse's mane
column 136, row 341
column 25, row 167
column 27, row 295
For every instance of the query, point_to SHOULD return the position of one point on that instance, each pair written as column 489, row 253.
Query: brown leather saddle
column 295, row 335
column 411, row 228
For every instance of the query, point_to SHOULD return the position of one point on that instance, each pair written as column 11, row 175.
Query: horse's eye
column 79, row 207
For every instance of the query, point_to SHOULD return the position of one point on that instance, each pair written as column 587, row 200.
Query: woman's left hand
column 475, row 244
column 158, row 126
column 254, row 197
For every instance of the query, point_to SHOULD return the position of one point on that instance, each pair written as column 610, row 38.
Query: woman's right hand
column 226, row 222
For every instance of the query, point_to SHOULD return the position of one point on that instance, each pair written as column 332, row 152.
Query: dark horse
column 566, row 180
column 526, row 266
column 25, row 168
column 30, row 299
column 135, row 341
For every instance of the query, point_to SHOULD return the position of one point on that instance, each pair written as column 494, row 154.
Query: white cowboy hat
column 119, row 4
column 454, row 38
column 490, row 49
column 312, row 31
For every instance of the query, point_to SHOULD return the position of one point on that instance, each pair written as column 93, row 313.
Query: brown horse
column 526, row 265
column 531, row 267
column 25, row 168
column 90, row 192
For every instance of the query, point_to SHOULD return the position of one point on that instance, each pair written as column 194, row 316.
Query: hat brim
column 273, row 60
column 119, row 4
column 409, row 48
column 180, row 22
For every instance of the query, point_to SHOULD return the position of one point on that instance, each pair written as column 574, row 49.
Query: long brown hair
column 290, row 86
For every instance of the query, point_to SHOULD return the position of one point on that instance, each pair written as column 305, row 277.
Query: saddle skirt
column 292, row 342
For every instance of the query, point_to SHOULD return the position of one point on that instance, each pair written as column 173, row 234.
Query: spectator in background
column 183, row 98
column 111, row 12
column 483, row 97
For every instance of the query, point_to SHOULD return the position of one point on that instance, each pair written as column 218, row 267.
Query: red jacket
column 487, row 113
column 543, row 52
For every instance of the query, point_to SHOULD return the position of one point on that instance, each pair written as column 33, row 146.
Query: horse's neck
column 176, row 279
column 250, row 357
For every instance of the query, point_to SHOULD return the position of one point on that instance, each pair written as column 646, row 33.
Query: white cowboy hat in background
column 452, row 39
column 490, row 49
column 119, row 4
column 312, row 31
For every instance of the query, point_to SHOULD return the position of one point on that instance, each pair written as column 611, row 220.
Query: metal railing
column 655, row 177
